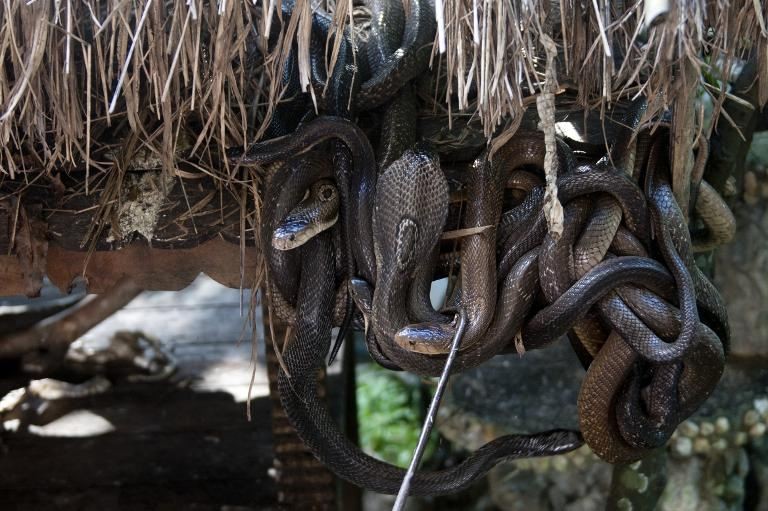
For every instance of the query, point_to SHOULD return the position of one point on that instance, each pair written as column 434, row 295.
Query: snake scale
column 620, row 281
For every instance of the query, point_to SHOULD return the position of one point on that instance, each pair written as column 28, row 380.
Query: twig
column 440, row 18
column 129, row 56
column 462, row 233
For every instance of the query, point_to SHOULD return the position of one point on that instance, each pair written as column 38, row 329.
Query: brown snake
column 665, row 320
column 306, row 354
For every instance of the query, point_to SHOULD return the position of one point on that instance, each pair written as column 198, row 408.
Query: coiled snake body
column 312, row 420
column 653, row 331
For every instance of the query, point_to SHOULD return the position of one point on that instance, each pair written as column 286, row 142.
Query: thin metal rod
column 426, row 429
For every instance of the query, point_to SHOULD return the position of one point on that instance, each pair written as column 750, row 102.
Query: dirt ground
column 181, row 443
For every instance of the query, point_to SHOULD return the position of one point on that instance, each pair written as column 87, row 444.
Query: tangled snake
column 653, row 331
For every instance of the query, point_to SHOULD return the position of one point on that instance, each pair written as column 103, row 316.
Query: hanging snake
column 313, row 422
column 390, row 300
column 397, row 216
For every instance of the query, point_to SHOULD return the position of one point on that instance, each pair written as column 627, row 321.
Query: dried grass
column 78, row 70
column 497, row 45
column 88, row 85
column 83, row 80
column 80, row 73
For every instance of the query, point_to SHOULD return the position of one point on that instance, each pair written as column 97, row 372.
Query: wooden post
column 302, row 481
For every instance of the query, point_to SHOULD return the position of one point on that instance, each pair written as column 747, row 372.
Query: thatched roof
column 77, row 74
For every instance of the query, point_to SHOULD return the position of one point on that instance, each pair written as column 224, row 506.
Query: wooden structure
column 114, row 118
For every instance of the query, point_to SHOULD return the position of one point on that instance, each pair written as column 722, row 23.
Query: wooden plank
column 302, row 481
column 191, row 212
column 154, row 269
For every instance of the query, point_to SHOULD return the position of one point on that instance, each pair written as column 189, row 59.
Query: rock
column 689, row 429
column 722, row 425
column 741, row 270
column 637, row 486
column 516, row 488
column 757, row 430
column 706, row 470
column 707, row 428
column 751, row 417
column 513, row 394
column 705, row 483
column 682, row 446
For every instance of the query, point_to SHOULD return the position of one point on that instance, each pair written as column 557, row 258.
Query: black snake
column 639, row 322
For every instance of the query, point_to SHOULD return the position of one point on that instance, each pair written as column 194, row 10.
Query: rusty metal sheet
column 154, row 269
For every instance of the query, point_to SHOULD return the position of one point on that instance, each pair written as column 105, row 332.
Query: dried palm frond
column 74, row 71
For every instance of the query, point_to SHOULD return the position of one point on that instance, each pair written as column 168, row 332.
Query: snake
column 396, row 53
column 389, row 315
column 435, row 338
column 618, row 427
column 627, row 155
column 428, row 207
column 583, row 180
column 717, row 217
column 408, row 61
column 590, row 289
column 602, row 389
column 285, row 185
column 407, row 217
column 352, row 185
column 592, row 248
column 683, row 267
column 485, row 181
column 478, row 270
column 305, row 355
column 361, row 185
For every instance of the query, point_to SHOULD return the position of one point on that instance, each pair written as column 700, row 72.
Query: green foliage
column 758, row 151
column 389, row 412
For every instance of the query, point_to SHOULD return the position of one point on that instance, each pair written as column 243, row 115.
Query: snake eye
column 405, row 242
column 327, row 192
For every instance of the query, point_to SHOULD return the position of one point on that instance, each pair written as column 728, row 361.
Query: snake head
column 317, row 212
column 426, row 338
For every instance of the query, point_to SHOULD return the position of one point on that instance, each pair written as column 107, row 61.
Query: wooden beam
column 152, row 269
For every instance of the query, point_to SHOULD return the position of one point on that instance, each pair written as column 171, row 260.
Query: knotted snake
column 665, row 319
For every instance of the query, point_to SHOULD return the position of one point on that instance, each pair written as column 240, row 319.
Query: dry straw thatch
column 85, row 79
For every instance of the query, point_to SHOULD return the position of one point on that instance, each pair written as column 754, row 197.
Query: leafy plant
column 390, row 414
